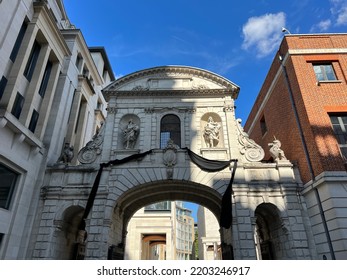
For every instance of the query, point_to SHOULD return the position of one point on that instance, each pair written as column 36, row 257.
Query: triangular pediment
column 171, row 78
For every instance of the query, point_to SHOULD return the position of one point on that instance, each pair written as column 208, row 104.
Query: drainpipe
column 308, row 159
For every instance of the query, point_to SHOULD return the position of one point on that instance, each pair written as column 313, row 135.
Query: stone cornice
column 173, row 72
column 169, row 93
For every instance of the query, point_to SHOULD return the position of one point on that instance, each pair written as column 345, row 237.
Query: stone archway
column 65, row 234
column 140, row 196
column 270, row 234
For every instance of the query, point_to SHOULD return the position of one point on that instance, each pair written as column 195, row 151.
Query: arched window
column 170, row 128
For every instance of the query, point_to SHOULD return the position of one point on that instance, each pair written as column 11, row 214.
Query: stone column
column 47, row 100
column 31, row 94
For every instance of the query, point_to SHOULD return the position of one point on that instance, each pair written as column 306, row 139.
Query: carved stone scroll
column 251, row 150
column 92, row 149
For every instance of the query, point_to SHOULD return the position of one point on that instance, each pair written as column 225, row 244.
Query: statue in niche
column 130, row 134
column 276, row 151
column 67, row 154
column 211, row 133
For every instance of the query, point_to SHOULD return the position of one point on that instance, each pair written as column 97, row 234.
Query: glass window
column 339, row 123
column 3, row 83
column 45, row 79
column 159, row 206
column 33, row 121
column 18, row 42
column 8, row 180
column 34, row 55
column 79, row 61
column 17, row 105
column 263, row 126
column 324, row 72
column 170, row 128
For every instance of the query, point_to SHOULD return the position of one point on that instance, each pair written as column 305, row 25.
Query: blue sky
column 235, row 39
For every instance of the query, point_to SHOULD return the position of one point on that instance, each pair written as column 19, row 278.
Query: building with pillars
column 50, row 102
column 303, row 103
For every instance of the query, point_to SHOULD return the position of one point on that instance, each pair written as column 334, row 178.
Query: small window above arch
column 170, row 128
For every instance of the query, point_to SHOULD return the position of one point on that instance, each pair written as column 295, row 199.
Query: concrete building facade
column 303, row 104
column 50, row 106
column 208, row 235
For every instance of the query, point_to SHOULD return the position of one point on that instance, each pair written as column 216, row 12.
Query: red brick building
column 303, row 103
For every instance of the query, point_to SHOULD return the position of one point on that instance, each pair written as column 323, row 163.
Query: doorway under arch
column 270, row 234
column 163, row 190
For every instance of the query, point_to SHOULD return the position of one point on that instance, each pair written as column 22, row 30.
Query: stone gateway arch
column 156, row 114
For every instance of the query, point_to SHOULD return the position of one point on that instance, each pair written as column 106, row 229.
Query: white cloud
column 323, row 25
column 342, row 16
column 263, row 33
column 339, row 11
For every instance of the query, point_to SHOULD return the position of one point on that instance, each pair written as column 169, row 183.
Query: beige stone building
column 50, row 106
column 160, row 231
column 208, row 235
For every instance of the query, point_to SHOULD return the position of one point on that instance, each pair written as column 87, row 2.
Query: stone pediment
column 171, row 78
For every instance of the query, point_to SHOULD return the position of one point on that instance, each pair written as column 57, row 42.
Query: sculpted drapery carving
column 130, row 134
column 211, row 133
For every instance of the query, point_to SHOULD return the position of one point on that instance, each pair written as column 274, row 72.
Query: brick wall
column 313, row 102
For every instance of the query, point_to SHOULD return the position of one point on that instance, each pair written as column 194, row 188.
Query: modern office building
column 50, row 106
column 303, row 104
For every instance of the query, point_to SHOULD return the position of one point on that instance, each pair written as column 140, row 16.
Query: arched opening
column 269, row 233
column 160, row 191
column 66, row 234
column 170, row 128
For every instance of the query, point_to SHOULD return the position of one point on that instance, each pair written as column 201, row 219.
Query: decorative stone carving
column 140, row 88
column 170, row 158
column 111, row 110
column 152, row 110
column 67, row 154
column 275, row 150
column 92, row 149
column 229, row 107
column 199, row 86
column 211, row 133
column 130, row 134
column 251, row 150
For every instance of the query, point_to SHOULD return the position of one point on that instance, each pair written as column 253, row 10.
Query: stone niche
column 129, row 132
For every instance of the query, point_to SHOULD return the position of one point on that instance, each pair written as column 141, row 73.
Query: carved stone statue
column 67, row 154
column 211, row 133
column 130, row 134
column 276, row 151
